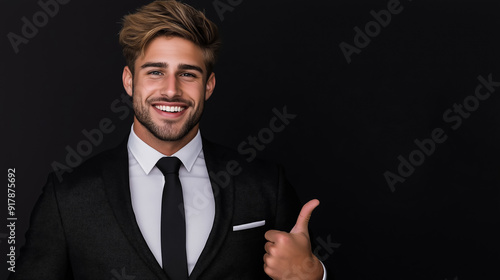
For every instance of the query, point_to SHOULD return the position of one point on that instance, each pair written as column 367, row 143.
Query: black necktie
column 173, row 225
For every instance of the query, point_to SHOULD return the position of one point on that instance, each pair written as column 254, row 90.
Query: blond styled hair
column 168, row 18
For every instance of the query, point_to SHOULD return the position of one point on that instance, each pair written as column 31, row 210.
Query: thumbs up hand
column 289, row 255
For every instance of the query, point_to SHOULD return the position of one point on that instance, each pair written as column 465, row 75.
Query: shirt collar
column 147, row 157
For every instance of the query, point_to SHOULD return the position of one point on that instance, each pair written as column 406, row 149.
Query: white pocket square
column 249, row 225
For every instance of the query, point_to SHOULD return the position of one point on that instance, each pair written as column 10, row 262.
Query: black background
column 352, row 120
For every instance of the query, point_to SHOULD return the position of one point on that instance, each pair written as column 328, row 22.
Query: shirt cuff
column 324, row 270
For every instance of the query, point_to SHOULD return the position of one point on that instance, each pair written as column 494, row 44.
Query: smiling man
column 169, row 89
column 131, row 209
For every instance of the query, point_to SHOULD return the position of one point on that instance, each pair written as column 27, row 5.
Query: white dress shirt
column 146, row 189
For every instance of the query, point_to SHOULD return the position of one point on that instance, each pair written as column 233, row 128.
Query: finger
column 301, row 226
column 271, row 235
column 270, row 266
column 267, row 247
column 268, row 270
column 265, row 258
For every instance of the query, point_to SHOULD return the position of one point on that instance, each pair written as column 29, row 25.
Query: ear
column 210, row 86
column 128, row 80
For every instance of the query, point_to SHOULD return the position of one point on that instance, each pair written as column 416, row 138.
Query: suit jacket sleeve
column 44, row 255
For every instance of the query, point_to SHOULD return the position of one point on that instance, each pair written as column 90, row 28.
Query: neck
column 167, row 148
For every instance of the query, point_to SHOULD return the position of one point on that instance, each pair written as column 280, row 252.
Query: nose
column 170, row 86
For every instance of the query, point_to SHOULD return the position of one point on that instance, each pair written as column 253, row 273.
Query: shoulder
column 92, row 168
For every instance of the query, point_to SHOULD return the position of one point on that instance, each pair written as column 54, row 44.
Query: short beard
column 166, row 132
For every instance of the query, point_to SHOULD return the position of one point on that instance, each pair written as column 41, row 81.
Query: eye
column 189, row 75
column 155, row 73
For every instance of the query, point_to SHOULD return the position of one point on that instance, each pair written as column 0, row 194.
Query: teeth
column 170, row 109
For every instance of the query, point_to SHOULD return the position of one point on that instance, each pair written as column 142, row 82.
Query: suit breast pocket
column 242, row 253
column 245, row 248
column 250, row 225
column 248, row 237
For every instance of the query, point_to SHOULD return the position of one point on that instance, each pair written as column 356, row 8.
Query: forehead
column 172, row 51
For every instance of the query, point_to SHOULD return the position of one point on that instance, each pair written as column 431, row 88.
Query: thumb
column 301, row 226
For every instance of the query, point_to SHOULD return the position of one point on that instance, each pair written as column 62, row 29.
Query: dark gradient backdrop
column 351, row 118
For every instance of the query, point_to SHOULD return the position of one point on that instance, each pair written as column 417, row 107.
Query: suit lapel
column 116, row 182
column 216, row 160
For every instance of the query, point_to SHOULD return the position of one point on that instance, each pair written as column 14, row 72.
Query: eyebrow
column 190, row 67
column 181, row 66
column 154, row 64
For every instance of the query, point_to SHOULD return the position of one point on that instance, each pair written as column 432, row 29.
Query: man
column 114, row 213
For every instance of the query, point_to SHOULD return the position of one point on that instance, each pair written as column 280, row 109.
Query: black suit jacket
column 84, row 227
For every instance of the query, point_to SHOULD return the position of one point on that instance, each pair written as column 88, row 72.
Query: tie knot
column 169, row 165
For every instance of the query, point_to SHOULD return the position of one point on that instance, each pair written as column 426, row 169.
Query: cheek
column 150, row 86
column 138, row 96
column 146, row 84
column 136, row 99
column 142, row 91
column 196, row 91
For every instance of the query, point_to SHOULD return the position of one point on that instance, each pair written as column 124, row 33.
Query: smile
column 170, row 109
